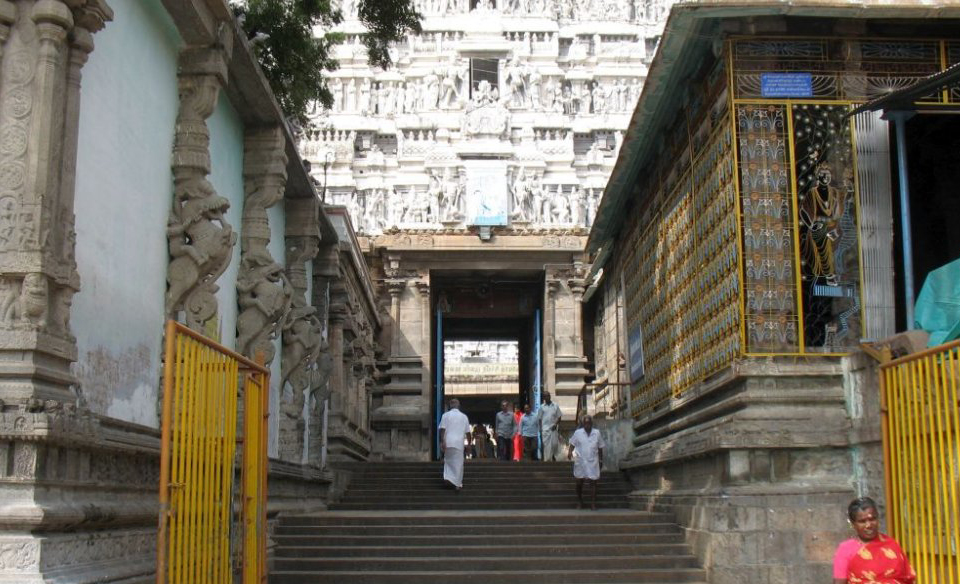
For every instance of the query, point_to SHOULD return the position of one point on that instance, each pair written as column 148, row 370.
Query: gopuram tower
column 470, row 172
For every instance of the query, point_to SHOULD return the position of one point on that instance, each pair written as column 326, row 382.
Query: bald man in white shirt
column 454, row 426
column 588, row 444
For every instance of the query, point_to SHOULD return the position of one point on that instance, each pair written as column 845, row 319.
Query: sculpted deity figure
column 336, row 88
column 201, row 243
column 400, row 99
column 561, row 207
column 350, row 101
column 364, row 104
column 598, row 98
column 578, row 50
column 375, row 156
column 450, row 196
column 431, row 94
column 521, row 196
column 594, row 155
column 395, row 208
column 547, row 205
column 621, row 95
column 453, row 74
column 535, row 188
column 593, row 201
column 516, row 80
column 576, row 206
column 534, row 81
column 413, row 97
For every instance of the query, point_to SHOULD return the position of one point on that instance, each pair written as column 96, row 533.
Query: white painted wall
column 226, row 176
column 124, row 191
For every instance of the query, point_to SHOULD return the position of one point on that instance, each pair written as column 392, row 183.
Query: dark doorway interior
column 933, row 158
column 487, row 305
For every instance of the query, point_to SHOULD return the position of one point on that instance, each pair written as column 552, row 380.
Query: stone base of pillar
column 400, row 419
column 78, row 496
column 345, row 440
column 113, row 555
column 570, row 373
column 756, row 464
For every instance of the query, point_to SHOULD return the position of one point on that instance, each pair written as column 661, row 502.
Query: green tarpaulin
column 938, row 306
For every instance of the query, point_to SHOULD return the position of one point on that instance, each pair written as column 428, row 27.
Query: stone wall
column 759, row 463
column 239, row 224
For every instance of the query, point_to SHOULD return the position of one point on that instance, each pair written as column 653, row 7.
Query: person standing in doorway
column 505, row 427
column 530, row 430
column 588, row 445
column 550, row 415
column 454, row 426
column 517, row 438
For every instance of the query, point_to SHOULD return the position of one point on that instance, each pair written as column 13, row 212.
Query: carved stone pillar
column 395, row 288
column 549, row 336
column 577, row 288
column 304, row 373
column 263, row 291
column 423, row 293
column 200, row 239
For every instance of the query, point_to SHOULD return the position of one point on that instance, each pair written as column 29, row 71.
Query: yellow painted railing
column 921, row 445
column 200, row 520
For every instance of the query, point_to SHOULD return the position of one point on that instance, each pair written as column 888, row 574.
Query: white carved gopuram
column 500, row 112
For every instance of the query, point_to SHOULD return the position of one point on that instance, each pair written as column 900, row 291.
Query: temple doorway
column 933, row 158
column 487, row 341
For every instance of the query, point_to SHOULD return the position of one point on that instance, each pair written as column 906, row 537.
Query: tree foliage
column 294, row 44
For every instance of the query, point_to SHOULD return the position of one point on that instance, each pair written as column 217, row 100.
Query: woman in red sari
column 517, row 439
column 871, row 556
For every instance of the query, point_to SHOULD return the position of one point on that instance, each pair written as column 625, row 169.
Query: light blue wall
column 226, row 159
column 277, row 248
column 123, row 196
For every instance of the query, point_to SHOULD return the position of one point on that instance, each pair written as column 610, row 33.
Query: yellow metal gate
column 921, row 429
column 204, row 523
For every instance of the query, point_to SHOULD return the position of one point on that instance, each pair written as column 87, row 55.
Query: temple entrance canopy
column 487, row 340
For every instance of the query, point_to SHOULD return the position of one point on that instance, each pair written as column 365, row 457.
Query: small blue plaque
column 786, row 84
column 635, row 346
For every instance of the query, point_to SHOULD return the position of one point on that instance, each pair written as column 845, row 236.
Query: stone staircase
column 512, row 523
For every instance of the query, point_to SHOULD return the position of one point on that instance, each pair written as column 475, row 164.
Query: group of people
column 518, row 433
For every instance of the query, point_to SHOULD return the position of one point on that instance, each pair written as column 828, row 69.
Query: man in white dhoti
column 588, row 445
column 454, row 426
column 549, row 422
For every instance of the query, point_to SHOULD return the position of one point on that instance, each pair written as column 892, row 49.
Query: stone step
column 461, row 505
column 468, row 494
column 551, row 518
column 505, row 575
column 529, row 546
column 519, row 527
column 471, row 563
column 362, row 542
column 512, row 523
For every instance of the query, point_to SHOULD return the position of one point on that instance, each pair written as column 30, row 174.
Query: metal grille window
column 484, row 70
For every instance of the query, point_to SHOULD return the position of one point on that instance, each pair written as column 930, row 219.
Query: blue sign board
column 786, row 84
column 635, row 346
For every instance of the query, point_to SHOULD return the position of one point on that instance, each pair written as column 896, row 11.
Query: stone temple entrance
column 457, row 287
column 487, row 340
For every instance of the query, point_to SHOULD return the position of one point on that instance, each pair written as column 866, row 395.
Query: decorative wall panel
column 686, row 287
column 769, row 257
column 840, row 69
column 827, row 227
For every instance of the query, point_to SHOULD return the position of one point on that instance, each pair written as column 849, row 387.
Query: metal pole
column 900, row 121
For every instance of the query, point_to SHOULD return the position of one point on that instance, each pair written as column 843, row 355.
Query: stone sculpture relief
column 263, row 291
column 201, row 242
column 199, row 238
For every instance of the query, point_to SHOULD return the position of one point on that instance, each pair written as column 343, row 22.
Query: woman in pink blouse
column 871, row 556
